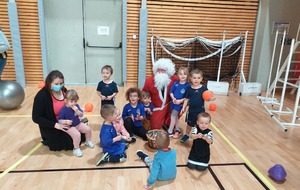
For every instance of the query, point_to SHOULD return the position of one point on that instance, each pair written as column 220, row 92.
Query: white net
column 201, row 53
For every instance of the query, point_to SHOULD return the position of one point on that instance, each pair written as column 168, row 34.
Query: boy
column 203, row 137
column 163, row 166
column 111, row 143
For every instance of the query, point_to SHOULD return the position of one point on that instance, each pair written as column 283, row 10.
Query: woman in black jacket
column 46, row 106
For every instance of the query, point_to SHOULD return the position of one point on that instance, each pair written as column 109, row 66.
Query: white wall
column 270, row 11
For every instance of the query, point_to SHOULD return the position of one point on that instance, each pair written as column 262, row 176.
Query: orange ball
column 207, row 95
column 212, row 107
column 88, row 107
column 41, row 84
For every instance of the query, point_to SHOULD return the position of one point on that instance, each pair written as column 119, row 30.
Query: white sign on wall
column 103, row 30
column 281, row 27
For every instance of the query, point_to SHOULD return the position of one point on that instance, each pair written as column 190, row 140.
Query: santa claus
column 158, row 86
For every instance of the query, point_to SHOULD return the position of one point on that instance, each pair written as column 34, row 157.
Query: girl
column 70, row 115
column 177, row 93
column 134, row 113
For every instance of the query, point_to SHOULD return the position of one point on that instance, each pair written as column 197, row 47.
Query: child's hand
column 128, row 139
column 132, row 117
column 199, row 135
column 119, row 137
column 138, row 117
column 174, row 101
column 68, row 122
column 109, row 97
column 103, row 97
column 147, row 187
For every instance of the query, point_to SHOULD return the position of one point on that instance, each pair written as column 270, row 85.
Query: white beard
column 161, row 80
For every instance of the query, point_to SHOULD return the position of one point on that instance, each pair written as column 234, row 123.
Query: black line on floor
column 254, row 174
column 106, row 168
column 216, row 178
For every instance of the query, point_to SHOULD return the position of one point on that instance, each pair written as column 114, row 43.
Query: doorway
column 82, row 37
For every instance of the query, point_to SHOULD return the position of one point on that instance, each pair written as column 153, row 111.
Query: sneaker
column 89, row 144
column 103, row 160
column 77, row 152
column 141, row 154
column 177, row 134
column 184, row 138
column 133, row 139
column 170, row 134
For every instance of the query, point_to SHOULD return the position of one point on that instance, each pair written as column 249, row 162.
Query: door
column 103, row 36
column 82, row 37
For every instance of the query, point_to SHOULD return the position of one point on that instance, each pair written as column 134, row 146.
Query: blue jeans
column 2, row 65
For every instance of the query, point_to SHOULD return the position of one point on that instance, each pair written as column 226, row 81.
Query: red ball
column 207, row 95
column 212, row 107
column 41, row 84
column 88, row 107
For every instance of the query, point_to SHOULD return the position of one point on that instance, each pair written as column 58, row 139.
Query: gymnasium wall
column 171, row 19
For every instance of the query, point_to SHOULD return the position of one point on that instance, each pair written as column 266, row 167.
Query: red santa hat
column 165, row 64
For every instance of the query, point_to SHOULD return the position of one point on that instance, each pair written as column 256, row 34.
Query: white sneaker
column 89, row 144
column 77, row 152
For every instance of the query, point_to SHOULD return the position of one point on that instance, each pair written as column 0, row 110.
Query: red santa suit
column 160, row 98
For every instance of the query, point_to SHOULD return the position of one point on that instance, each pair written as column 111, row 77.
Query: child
column 146, row 99
column 177, row 93
column 203, row 137
column 107, row 89
column 134, row 113
column 119, row 126
column 70, row 115
column 193, row 97
column 110, row 141
column 163, row 166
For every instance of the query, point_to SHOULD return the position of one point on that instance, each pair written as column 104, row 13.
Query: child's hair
column 184, row 69
column 107, row 67
column 145, row 94
column 132, row 90
column 205, row 115
column 72, row 95
column 196, row 71
column 162, row 139
column 107, row 110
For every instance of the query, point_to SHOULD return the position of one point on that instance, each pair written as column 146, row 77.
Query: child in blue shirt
column 110, row 141
column 177, row 93
column 134, row 113
column 163, row 166
column 107, row 89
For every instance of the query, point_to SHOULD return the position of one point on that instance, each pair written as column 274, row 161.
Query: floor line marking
column 253, row 168
column 16, row 116
column 20, row 161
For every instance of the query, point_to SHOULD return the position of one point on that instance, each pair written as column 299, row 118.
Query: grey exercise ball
column 11, row 95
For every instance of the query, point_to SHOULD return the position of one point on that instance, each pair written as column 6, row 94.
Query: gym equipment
column 11, row 95
column 277, row 172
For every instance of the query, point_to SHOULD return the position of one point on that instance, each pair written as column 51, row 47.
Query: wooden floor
column 247, row 142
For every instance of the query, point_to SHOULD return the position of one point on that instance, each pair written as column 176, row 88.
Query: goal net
column 201, row 53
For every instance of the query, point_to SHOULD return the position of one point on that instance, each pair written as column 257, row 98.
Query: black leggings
column 139, row 131
column 197, row 167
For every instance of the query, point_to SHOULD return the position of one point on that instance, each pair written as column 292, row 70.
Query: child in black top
column 202, row 137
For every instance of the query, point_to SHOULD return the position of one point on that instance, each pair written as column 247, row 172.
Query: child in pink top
column 119, row 126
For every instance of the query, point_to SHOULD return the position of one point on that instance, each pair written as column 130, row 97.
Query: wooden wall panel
column 186, row 19
column 30, row 39
column 169, row 18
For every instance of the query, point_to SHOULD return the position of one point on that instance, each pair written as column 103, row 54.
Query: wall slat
column 182, row 19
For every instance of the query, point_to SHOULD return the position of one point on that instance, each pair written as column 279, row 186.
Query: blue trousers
column 2, row 65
